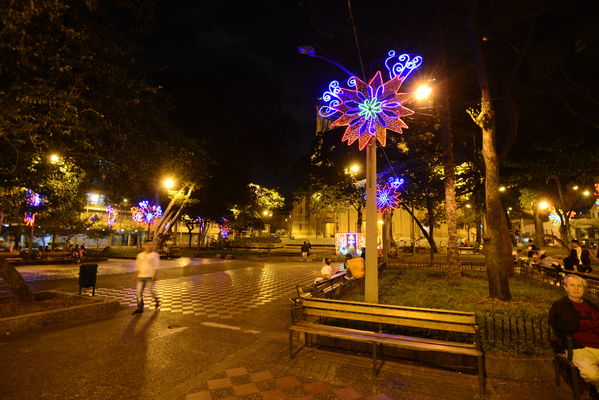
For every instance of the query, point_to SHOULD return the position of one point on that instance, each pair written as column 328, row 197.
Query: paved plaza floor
column 221, row 333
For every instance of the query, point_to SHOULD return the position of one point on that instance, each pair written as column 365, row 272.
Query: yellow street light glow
column 586, row 193
column 168, row 183
column 54, row 158
column 125, row 200
column 355, row 168
column 265, row 213
column 543, row 205
column 509, row 208
column 422, row 92
column 94, row 197
column 380, row 221
column 502, row 188
column 468, row 206
column 575, row 187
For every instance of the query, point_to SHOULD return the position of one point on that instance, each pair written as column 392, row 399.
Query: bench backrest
column 445, row 320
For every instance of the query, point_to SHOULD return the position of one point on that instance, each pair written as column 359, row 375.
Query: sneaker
column 137, row 311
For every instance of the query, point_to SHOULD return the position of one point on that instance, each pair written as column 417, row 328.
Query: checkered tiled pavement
column 220, row 294
column 239, row 383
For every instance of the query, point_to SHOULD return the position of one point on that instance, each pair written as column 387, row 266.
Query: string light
column 111, row 215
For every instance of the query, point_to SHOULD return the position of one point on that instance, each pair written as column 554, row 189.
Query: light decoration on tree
column 395, row 182
column 387, row 198
column 224, row 229
column 370, row 109
column 111, row 215
column 33, row 201
column 146, row 213
column 597, row 193
column 556, row 216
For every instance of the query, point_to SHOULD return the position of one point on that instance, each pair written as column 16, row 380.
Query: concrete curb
column 97, row 308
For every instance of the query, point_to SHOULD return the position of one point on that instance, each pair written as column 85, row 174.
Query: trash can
column 87, row 277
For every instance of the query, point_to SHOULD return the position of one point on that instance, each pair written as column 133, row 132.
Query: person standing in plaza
column 306, row 250
column 147, row 265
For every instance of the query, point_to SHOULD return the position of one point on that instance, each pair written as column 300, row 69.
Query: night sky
column 236, row 79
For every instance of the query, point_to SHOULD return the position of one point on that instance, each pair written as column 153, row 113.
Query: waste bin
column 87, row 277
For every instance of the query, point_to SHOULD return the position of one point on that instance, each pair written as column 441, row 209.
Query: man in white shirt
column 325, row 272
column 147, row 264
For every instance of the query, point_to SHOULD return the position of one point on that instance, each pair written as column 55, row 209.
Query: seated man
column 325, row 272
column 575, row 316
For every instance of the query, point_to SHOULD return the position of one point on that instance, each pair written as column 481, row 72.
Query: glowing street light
column 168, row 183
column 468, row 206
column 423, row 92
column 575, row 187
column 54, row 158
column 586, row 193
column 543, row 205
column 502, row 188
column 355, row 169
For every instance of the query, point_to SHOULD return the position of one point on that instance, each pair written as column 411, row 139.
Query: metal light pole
column 371, row 291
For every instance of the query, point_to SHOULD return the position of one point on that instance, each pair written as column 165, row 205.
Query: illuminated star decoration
column 371, row 110
column 112, row 213
column 387, row 198
column 33, row 201
column 597, row 193
column 556, row 216
column 146, row 213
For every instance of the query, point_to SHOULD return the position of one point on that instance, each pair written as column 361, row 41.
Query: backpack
column 585, row 257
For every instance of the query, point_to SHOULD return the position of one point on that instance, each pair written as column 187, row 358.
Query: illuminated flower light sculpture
column 371, row 109
column 33, row 201
column 395, row 182
column 374, row 107
column 112, row 214
column 146, row 213
column 557, row 216
column 387, row 198
column 597, row 193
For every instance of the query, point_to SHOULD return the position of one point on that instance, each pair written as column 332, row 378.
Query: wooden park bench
column 312, row 317
column 325, row 288
column 562, row 362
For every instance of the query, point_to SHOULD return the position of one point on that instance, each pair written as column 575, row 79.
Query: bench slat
column 392, row 312
column 407, row 344
column 389, row 306
column 391, row 320
column 310, row 325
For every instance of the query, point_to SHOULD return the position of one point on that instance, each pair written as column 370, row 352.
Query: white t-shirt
column 147, row 264
column 325, row 270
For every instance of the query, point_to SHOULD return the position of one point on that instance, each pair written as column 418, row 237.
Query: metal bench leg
column 481, row 375
column 374, row 359
column 575, row 384
column 558, row 379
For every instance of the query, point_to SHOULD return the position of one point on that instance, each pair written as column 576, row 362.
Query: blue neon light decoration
column 395, row 182
column 402, row 65
column 387, row 198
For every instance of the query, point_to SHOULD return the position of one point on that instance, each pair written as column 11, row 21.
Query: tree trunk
column 385, row 237
column 392, row 244
column 494, row 243
column 359, row 219
column 539, row 232
column 53, row 241
column 15, row 282
column 428, row 237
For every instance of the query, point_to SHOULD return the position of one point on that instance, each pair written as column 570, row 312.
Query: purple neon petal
column 390, row 114
column 352, row 112
column 351, row 104
column 379, row 91
column 355, row 121
column 363, row 128
column 361, row 96
column 387, row 97
column 381, row 120
column 372, row 127
column 370, row 92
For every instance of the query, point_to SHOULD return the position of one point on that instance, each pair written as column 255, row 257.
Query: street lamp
column 502, row 188
column 586, row 193
column 355, row 169
column 54, row 158
column 168, row 183
column 543, row 205
column 575, row 187
column 422, row 92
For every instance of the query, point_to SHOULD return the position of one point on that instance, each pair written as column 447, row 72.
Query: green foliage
column 265, row 198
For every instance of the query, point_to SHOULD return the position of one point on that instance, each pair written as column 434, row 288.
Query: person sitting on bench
column 575, row 316
column 325, row 272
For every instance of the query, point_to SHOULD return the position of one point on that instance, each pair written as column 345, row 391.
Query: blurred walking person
column 147, row 265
